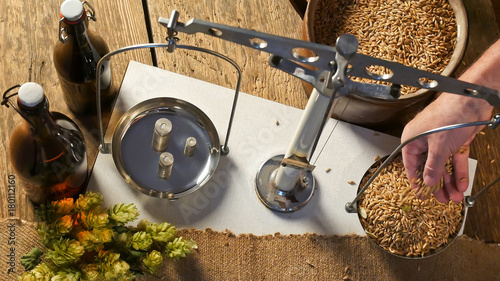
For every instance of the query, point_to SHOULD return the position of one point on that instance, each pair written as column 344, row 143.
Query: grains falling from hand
column 398, row 221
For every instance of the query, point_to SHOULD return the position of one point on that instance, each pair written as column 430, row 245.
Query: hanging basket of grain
column 426, row 34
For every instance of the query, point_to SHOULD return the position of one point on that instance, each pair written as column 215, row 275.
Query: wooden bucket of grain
column 427, row 34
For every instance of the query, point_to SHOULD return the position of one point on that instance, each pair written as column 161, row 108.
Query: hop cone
column 180, row 247
column 123, row 213
column 112, row 267
column 152, row 261
column 90, row 272
column 141, row 241
column 40, row 273
column 65, row 252
column 63, row 207
column 63, row 225
column 94, row 219
column 67, row 274
column 46, row 233
column 88, row 201
column 163, row 232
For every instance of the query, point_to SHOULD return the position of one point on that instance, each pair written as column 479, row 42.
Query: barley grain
column 399, row 222
column 419, row 33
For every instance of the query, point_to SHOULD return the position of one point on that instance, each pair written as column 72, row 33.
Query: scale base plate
column 278, row 200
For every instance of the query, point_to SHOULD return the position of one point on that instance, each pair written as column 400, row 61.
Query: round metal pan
column 138, row 163
column 373, row 239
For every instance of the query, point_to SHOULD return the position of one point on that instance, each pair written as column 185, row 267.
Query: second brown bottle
column 76, row 56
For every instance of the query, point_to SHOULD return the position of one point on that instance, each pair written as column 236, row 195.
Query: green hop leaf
column 123, row 213
column 179, row 248
column 65, row 252
column 141, row 241
column 31, row 259
column 152, row 261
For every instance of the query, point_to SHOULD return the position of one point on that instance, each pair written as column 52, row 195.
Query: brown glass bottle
column 47, row 150
column 76, row 55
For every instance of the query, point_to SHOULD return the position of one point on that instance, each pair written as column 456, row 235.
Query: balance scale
column 229, row 200
column 261, row 180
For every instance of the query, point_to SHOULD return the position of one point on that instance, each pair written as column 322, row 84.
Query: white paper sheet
column 229, row 200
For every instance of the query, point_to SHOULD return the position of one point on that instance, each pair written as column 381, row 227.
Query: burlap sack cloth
column 224, row 256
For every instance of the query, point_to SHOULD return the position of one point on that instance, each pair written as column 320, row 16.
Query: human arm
column 450, row 109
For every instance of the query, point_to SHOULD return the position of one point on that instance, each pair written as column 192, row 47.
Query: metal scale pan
column 137, row 162
column 131, row 144
column 381, row 164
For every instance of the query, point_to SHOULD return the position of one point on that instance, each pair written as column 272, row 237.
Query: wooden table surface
column 29, row 30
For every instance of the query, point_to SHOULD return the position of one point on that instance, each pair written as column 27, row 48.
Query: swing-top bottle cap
column 31, row 94
column 72, row 10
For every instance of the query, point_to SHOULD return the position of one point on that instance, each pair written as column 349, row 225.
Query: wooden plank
column 482, row 219
column 259, row 79
column 28, row 33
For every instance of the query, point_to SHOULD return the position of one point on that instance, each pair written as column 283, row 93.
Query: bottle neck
column 77, row 31
column 38, row 116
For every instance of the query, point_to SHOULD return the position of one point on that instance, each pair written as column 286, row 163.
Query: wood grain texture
column 259, row 79
column 482, row 219
column 28, row 33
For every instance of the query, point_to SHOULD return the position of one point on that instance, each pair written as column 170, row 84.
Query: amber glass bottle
column 76, row 55
column 47, row 150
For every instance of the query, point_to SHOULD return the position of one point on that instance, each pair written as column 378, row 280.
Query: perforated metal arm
column 286, row 57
